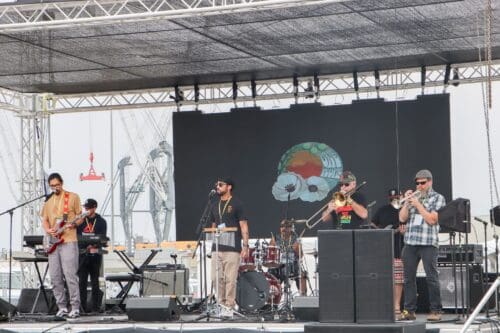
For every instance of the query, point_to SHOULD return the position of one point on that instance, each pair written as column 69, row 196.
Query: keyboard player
column 90, row 255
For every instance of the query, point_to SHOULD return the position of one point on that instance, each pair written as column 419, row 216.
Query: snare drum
column 248, row 263
column 257, row 289
column 271, row 257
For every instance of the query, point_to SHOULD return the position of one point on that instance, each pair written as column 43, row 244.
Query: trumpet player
column 351, row 212
column 419, row 222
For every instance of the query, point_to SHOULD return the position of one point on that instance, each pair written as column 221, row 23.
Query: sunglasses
column 345, row 184
column 421, row 183
column 220, row 184
column 55, row 185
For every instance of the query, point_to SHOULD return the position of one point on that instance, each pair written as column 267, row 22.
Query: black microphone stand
column 203, row 261
column 11, row 213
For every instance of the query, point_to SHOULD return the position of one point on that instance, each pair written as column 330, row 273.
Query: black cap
column 90, row 203
column 393, row 193
column 226, row 180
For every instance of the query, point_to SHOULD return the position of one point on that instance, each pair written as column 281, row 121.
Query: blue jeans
column 411, row 255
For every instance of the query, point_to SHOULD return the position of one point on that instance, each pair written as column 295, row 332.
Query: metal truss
column 50, row 15
column 278, row 89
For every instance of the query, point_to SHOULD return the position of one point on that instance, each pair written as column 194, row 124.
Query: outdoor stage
column 120, row 323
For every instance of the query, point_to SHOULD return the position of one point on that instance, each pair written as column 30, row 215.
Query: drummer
column 289, row 247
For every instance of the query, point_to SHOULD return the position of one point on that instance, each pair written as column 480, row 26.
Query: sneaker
column 74, row 314
column 434, row 316
column 407, row 315
column 226, row 313
column 62, row 313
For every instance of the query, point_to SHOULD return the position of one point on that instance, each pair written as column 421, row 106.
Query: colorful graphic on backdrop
column 307, row 171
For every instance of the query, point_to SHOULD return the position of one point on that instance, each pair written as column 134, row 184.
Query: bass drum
column 256, row 289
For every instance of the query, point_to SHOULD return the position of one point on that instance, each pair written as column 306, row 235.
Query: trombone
column 340, row 199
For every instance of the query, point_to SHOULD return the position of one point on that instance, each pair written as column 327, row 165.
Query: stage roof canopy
column 329, row 37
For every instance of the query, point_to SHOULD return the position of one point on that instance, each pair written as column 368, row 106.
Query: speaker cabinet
column 152, row 309
column 161, row 283
column 306, row 308
column 6, row 308
column 453, row 215
column 336, row 269
column 474, row 288
column 26, row 303
column 495, row 215
column 373, row 267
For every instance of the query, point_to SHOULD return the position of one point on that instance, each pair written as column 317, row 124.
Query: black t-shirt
column 93, row 225
column 385, row 216
column 345, row 218
column 228, row 213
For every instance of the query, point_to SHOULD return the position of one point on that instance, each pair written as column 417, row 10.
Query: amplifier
column 474, row 254
column 161, row 283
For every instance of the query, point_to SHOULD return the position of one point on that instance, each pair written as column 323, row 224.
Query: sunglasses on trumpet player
column 423, row 182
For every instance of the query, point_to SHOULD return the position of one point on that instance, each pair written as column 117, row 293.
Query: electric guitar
column 52, row 242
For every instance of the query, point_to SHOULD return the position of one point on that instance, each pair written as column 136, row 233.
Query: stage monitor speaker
column 373, row 271
column 6, row 308
column 474, row 289
column 452, row 216
column 495, row 215
column 26, row 303
column 152, row 309
column 306, row 308
column 161, row 283
column 336, row 268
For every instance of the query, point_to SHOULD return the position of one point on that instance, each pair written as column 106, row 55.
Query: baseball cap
column 347, row 177
column 90, row 203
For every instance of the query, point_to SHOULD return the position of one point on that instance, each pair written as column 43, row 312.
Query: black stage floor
column 188, row 322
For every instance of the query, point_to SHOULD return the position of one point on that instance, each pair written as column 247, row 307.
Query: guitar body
column 52, row 242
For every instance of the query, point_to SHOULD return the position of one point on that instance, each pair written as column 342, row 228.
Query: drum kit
column 261, row 292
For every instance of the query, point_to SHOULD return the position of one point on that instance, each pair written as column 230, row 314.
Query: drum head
column 252, row 291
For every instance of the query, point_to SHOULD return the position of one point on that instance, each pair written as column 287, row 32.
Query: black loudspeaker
column 452, row 216
column 161, row 283
column 336, row 268
column 6, row 308
column 152, row 309
column 495, row 215
column 373, row 271
column 306, row 308
column 26, row 303
column 474, row 289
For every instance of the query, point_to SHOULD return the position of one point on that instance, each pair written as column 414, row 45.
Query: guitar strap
column 66, row 206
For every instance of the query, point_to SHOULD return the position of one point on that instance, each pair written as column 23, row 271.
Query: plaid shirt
column 423, row 233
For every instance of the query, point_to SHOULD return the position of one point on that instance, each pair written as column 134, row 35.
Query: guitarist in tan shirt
column 63, row 257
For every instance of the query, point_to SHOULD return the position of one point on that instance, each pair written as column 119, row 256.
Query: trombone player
column 419, row 222
column 351, row 212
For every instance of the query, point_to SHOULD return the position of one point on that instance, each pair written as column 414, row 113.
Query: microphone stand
column 11, row 214
column 203, row 261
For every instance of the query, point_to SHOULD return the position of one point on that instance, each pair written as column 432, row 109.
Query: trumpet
column 417, row 194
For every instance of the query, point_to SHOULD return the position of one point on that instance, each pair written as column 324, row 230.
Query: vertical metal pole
column 112, row 173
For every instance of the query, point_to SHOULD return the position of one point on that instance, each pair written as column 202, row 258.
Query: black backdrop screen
column 382, row 143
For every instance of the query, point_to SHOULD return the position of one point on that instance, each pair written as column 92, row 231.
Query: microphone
column 212, row 193
column 371, row 204
column 481, row 220
column 173, row 256
column 361, row 185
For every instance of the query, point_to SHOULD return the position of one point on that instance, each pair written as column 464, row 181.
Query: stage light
column 179, row 96
column 295, row 87
column 423, row 73
column 455, row 77
column 235, row 91
column 309, row 90
column 447, row 71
